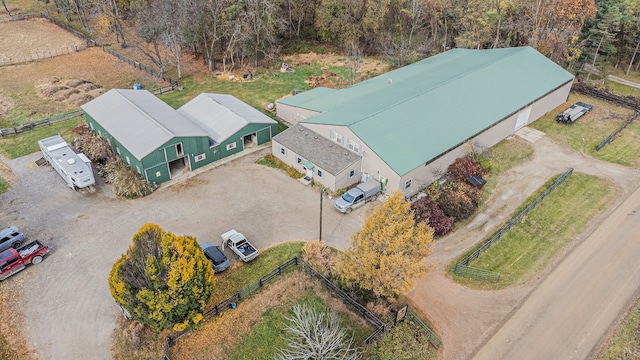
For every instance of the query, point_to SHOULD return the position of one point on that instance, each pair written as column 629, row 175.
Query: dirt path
column 465, row 317
column 576, row 304
column 68, row 310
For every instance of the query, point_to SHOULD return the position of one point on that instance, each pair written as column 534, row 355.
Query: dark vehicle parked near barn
column 219, row 261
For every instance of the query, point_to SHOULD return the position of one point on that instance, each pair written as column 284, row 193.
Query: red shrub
column 427, row 210
column 463, row 168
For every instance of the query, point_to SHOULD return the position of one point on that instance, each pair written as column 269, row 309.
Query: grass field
column 529, row 246
column 14, row 146
column 267, row 337
column 266, row 87
column 625, row 342
column 591, row 129
column 228, row 282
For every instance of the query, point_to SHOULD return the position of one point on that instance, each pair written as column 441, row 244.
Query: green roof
column 414, row 114
column 311, row 100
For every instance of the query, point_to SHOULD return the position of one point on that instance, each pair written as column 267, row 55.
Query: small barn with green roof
column 408, row 125
column 162, row 143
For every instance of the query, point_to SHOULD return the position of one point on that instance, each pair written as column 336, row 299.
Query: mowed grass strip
column 269, row 336
column 529, row 245
column 15, row 146
column 588, row 131
column 241, row 274
column 625, row 342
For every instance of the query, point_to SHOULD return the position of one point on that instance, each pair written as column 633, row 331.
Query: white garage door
column 523, row 118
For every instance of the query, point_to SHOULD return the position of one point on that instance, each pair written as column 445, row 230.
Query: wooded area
column 230, row 33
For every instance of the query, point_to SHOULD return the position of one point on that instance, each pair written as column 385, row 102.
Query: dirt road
column 464, row 317
column 69, row 312
column 577, row 303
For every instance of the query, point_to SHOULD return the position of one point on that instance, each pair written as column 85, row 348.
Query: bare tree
column 317, row 336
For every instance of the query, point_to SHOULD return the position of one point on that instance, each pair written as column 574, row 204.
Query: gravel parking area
column 69, row 312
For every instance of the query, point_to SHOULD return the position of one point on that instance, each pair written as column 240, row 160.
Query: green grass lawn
column 527, row 248
column 591, row 129
column 15, row 146
column 625, row 342
column 268, row 336
column 266, row 87
column 622, row 89
column 4, row 185
column 232, row 280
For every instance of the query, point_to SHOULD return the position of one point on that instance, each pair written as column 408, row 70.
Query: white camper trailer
column 74, row 168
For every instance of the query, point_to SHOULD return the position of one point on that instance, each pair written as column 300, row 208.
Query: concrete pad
column 529, row 134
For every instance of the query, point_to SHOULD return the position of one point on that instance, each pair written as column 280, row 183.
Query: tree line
column 230, row 33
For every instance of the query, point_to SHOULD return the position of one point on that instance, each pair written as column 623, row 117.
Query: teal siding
column 155, row 166
column 158, row 174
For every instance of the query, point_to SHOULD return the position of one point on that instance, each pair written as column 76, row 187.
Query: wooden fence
column 474, row 255
column 614, row 134
column 138, row 65
column 21, row 59
column 41, row 123
column 173, row 84
column 231, row 303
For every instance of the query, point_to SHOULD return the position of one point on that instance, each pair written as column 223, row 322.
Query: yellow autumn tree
column 389, row 252
column 163, row 280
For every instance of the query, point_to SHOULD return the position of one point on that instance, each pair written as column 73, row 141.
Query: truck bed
column 27, row 250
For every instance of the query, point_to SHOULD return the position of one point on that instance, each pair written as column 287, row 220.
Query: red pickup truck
column 14, row 260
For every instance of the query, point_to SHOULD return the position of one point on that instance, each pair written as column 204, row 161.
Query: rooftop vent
column 390, row 81
column 71, row 161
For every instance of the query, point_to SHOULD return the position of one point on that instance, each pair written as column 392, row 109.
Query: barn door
column 523, row 118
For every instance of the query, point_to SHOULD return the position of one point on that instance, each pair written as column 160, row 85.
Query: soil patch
column 13, row 322
column 22, row 40
column 6, row 104
column 28, row 87
column 367, row 67
column 73, row 92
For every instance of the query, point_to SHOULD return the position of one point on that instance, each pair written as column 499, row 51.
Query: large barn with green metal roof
column 162, row 143
column 408, row 125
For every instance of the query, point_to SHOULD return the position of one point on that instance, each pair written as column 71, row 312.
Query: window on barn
column 335, row 137
column 283, row 151
column 354, row 146
column 352, row 173
column 179, row 149
column 231, row 146
column 408, row 183
column 319, row 172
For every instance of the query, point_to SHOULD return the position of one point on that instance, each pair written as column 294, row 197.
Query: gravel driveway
column 69, row 311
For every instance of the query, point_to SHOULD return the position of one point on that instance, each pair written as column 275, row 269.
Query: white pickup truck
column 239, row 245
